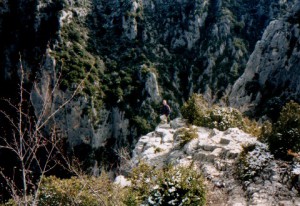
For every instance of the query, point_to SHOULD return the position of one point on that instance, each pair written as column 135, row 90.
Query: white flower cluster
column 296, row 169
column 256, row 161
column 171, row 191
column 224, row 118
column 166, row 190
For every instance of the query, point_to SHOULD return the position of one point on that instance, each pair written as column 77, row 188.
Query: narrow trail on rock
column 215, row 153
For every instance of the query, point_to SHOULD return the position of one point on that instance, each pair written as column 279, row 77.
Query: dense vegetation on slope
column 149, row 186
column 125, row 49
column 195, row 46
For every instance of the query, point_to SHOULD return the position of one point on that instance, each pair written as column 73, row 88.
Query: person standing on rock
column 165, row 111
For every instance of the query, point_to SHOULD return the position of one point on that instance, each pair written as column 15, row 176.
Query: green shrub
column 149, row 186
column 266, row 130
column 143, row 126
column 86, row 191
column 253, row 161
column 223, row 118
column 158, row 150
column 178, row 186
column 186, row 135
column 194, row 108
column 142, row 180
column 285, row 133
column 253, row 128
column 198, row 112
column 168, row 186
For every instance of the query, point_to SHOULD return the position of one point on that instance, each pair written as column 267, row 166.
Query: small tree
column 194, row 108
column 285, row 133
column 35, row 152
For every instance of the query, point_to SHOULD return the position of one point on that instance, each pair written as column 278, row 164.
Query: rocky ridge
column 215, row 154
column 141, row 51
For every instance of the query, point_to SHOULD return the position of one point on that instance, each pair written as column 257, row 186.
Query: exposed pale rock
column 66, row 17
column 129, row 23
column 273, row 63
column 151, row 86
column 122, row 181
column 191, row 147
column 206, row 29
column 215, row 153
column 177, row 123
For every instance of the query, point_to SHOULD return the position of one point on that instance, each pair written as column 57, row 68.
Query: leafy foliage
column 86, row 191
column 253, row 161
column 143, row 125
column 180, row 186
column 198, row 112
column 149, row 186
column 194, row 109
column 75, row 62
column 168, row 186
column 142, row 178
column 224, row 118
column 186, row 135
column 285, row 133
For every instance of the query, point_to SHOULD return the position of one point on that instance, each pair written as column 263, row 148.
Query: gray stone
column 122, row 181
column 217, row 163
column 151, row 86
column 177, row 123
column 272, row 63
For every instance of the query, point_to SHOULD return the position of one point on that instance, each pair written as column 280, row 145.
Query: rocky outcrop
column 186, row 47
column 215, row 153
column 272, row 70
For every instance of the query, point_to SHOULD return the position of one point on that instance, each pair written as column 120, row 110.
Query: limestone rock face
column 197, row 46
column 215, row 153
column 151, row 86
column 188, row 46
column 71, row 121
column 272, row 70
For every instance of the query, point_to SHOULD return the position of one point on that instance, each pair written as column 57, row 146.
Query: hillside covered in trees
column 83, row 80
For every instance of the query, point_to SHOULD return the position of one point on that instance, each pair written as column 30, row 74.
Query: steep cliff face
column 134, row 53
column 271, row 77
column 24, row 30
column 194, row 46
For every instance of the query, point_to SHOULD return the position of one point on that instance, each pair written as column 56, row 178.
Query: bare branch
column 11, row 121
column 45, row 105
column 65, row 103
column 27, row 142
column 11, row 185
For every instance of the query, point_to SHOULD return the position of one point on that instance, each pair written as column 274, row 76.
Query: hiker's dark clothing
column 165, row 110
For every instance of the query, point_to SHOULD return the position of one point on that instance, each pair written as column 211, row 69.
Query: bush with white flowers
column 181, row 186
column 253, row 162
column 169, row 186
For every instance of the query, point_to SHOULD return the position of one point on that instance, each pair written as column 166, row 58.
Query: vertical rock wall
column 272, row 70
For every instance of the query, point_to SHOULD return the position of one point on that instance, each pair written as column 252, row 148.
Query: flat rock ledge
column 215, row 153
